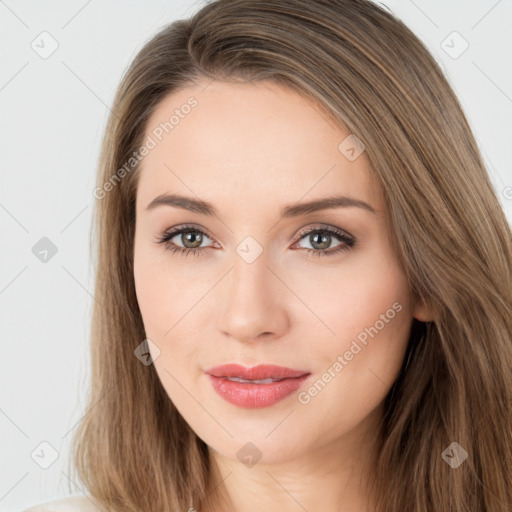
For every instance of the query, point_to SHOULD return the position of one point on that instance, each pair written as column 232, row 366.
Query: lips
column 260, row 386
column 259, row 373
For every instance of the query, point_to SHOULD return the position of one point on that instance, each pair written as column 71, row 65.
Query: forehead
column 249, row 143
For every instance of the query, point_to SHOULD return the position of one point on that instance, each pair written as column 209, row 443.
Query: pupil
column 193, row 238
column 324, row 244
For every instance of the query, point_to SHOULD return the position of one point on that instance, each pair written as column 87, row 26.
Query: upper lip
column 260, row 372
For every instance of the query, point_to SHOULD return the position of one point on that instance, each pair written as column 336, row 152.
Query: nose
column 253, row 302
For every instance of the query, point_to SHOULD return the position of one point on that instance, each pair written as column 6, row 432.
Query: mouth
column 260, row 386
column 259, row 374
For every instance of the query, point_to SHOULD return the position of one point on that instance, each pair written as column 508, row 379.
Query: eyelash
column 348, row 241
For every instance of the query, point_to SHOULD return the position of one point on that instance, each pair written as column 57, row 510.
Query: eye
column 192, row 239
column 322, row 238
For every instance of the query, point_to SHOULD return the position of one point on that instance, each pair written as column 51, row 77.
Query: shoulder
column 80, row 503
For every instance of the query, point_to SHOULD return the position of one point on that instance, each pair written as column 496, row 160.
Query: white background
column 53, row 112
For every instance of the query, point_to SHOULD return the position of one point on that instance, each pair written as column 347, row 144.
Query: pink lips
column 252, row 395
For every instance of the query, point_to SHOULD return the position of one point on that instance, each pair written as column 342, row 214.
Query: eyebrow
column 292, row 210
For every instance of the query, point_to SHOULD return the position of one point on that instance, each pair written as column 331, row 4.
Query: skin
column 250, row 149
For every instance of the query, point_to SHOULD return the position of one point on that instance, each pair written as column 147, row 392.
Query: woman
column 233, row 369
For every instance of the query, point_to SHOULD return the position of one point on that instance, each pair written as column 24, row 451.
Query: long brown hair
column 373, row 76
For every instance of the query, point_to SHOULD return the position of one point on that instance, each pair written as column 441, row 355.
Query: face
column 319, row 291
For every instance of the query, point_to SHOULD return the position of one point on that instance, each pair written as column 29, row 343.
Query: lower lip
column 245, row 394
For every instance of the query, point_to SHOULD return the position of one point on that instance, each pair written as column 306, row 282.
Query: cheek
column 158, row 282
column 367, row 308
column 355, row 296
column 157, row 295
column 376, row 326
column 163, row 309
column 166, row 297
column 370, row 315
column 148, row 291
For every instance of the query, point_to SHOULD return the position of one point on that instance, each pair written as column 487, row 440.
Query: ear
column 423, row 313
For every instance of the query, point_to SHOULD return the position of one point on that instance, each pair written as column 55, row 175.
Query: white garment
column 80, row 503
